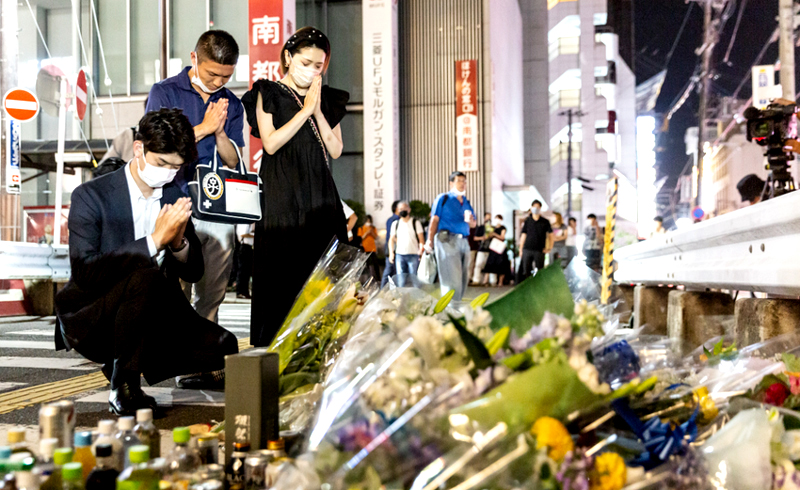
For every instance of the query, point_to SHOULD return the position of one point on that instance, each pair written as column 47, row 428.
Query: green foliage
column 526, row 304
column 420, row 210
column 477, row 351
column 359, row 210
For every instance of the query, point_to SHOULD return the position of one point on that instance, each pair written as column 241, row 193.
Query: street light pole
column 786, row 47
column 570, row 114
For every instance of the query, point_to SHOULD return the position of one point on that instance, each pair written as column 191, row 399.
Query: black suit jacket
column 103, row 249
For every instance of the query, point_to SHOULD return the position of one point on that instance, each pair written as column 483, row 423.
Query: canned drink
column 209, row 472
column 208, row 448
column 50, row 424
column 66, row 410
column 255, row 470
column 235, row 470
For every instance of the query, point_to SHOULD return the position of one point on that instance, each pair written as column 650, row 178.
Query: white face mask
column 536, row 211
column 458, row 192
column 303, row 76
column 196, row 81
column 498, row 223
column 154, row 176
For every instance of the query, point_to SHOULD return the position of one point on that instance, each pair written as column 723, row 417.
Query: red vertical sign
column 467, row 115
column 271, row 23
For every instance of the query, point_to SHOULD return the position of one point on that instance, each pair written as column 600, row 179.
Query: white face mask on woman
column 303, row 76
column 497, row 223
column 154, row 176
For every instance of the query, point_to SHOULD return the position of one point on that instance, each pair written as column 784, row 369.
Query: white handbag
column 497, row 246
column 427, row 268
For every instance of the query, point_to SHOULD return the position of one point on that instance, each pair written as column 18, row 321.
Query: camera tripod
column 779, row 180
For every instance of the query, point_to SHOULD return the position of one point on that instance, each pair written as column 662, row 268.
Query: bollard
column 650, row 308
column 695, row 317
column 759, row 319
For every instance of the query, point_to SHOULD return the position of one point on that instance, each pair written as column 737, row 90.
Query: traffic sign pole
column 62, row 136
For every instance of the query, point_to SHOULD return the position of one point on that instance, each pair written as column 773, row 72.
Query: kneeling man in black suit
column 130, row 240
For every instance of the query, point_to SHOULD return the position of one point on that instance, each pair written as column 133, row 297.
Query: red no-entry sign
column 80, row 95
column 21, row 104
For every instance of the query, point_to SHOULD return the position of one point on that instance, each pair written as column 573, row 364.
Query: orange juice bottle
column 83, row 453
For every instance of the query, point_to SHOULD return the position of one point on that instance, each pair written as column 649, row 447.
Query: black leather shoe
column 213, row 380
column 127, row 399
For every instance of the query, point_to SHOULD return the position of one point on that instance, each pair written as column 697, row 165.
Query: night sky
column 657, row 23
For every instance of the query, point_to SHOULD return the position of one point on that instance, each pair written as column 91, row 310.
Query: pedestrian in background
column 369, row 234
column 246, row 233
column 482, row 253
column 218, row 119
column 559, row 253
column 536, row 240
column 497, row 265
column 452, row 217
column 659, row 230
column 297, row 120
column 389, row 269
column 592, row 244
column 406, row 246
column 572, row 239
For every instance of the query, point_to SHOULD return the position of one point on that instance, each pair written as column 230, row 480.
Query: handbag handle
column 241, row 167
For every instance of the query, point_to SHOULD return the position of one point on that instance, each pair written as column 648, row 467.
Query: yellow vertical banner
column 612, row 192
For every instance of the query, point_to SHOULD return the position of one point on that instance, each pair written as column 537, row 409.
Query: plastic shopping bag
column 427, row 268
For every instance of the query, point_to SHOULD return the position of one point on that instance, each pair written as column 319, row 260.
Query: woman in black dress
column 297, row 120
column 497, row 263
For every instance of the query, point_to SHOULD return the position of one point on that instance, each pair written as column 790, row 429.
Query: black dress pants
column 529, row 258
column 144, row 325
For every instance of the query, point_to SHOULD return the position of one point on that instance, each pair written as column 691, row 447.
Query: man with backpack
column 407, row 243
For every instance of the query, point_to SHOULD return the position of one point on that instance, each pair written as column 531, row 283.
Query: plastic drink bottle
column 183, row 461
column 27, row 480
column 126, row 437
column 147, row 432
column 103, row 476
column 138, row 476
column 106, row 430
column 83, row 452
column 72, row 476
column 61, row 457
column 16, row 441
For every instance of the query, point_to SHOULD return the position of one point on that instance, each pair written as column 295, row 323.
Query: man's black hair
column 394, row 206
column 591, row 216
column 168, row 131
column 659, row 219
column 217, row 46
column 456, row 175
column 535, row 202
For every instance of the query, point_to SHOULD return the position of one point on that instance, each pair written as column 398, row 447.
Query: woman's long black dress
column 498, row 263
column 302, row 210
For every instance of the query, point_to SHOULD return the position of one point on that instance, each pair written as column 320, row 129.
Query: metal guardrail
column 753, row 249
column 19, row 260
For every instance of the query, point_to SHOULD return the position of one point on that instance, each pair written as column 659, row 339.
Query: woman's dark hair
column 368, row 217
column 499, row 216
column 168, row 131
column 571, row 220
column 456, row 175
column 307, row 37
column 217, row 46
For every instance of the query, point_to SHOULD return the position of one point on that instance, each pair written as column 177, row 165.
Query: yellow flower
column 609, row 472
column 552, row 434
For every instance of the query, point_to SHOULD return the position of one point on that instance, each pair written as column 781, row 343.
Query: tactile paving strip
column 48, row 392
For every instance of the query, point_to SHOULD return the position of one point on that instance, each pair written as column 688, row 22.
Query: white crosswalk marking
column 48, row 363
column 33, row 333
column 27, row 344
column 7, row 385
column 167, row 397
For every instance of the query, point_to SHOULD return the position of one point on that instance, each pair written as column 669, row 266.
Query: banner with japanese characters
column 271, row 24
column 467, row 115
column 381, row 131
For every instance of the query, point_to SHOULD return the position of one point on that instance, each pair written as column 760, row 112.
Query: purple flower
column 356, row 436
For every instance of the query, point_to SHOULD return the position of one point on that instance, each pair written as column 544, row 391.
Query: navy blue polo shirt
column 178, row 93
column 451, row 213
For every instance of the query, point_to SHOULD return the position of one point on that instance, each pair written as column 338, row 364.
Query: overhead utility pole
column 786, row 50
column 711, row 21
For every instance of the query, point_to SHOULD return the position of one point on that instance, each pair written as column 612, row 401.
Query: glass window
column 569, row 98
column 232, row 16
column 345, row 70
column 113, row 33
column 145, row 38
column 187, row 22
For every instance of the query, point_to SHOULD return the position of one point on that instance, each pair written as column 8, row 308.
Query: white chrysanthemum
column 428, row 335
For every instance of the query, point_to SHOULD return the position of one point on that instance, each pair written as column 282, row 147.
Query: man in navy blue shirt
column 452, row 217
column 389, row 268
column 217, row 116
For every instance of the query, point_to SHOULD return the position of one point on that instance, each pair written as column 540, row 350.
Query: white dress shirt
column 145, row 213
